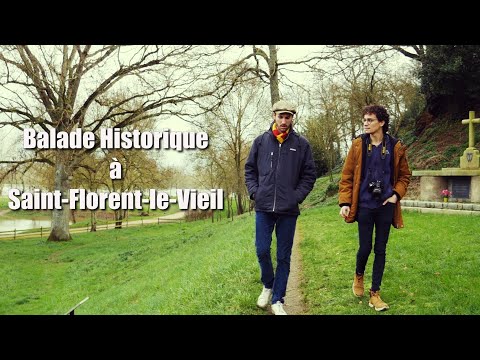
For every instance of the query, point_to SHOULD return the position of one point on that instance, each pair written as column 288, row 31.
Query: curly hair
column 380, row 112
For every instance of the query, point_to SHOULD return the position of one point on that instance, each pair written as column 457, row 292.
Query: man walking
column 279, row 174
column 375, row 177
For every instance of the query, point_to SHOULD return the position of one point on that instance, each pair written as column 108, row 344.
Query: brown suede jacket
column 349, row 185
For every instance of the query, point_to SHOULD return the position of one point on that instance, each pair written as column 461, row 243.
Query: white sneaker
column 264, row 298
column 277, row 308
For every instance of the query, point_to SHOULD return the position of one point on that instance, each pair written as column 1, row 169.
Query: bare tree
column 139, row 172
column 348, row 55
column 367, row 75
column 265, row 65
column 329, row 119
column 231, row 126
column 211, row 172
column 91, row 175
column 69, row 87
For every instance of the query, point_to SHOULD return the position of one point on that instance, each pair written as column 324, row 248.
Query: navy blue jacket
column 280, row 176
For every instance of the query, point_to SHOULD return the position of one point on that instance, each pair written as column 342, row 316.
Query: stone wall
column 437, row 207
column 475, row 189
column 431, row 187
column 432, row 182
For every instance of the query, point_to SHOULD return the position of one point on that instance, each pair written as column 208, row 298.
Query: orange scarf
column 279, row 135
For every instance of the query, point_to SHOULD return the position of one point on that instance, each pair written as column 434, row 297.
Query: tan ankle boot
column 376, row 302
column 357, row 287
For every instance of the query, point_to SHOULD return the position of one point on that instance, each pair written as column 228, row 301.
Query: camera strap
column 383, row 156
column 384, row 147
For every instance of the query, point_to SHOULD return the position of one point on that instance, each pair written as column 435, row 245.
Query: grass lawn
column 431, row 268
column 188, row 268
column 211, row 268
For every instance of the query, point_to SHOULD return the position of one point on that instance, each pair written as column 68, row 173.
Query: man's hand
column 344, row 211
column 392, row 199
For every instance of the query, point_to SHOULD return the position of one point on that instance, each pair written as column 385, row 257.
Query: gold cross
column 470, row 121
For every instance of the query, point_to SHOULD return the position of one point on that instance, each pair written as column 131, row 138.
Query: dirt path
column 3, row 212
column 174, row 216
column 294, row 302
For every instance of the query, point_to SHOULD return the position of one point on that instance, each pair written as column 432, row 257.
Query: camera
column 376, row 188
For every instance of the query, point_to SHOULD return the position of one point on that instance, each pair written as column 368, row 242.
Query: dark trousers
column 284, row 231
column 380, row 218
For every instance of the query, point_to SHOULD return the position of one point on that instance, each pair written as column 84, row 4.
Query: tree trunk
column 240, row 183
column 229, row 206
column 353, row 120
column 118, row 219
column 93, row 220
column 240, row 210
column 272, row 66
column 74, row 220
column 330, row 165
column 60, row 226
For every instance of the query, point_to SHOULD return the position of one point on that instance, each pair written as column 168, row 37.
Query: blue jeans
column 284, row 231
column 381, row 218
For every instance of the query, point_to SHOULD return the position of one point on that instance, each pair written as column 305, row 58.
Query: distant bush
column 452, row 151
column 194, row 215
column 332, row 189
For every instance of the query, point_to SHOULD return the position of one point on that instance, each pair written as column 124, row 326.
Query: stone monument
column 463, row 182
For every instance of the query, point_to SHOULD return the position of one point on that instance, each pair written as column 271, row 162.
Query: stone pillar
column 431, row 187
column 475, row 189
column 470, row 159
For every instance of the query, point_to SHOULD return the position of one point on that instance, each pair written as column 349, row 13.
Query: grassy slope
column 190, row 268
column 440, row 145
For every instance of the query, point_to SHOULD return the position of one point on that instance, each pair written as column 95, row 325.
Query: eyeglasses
column 369, row 120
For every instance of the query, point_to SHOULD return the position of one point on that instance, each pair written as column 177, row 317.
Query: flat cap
column 283, row 106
